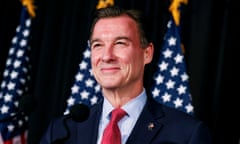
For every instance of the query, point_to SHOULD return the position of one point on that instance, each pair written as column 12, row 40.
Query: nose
column 108, row 54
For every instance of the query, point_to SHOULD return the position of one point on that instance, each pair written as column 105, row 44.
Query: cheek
column 132, row 60
column 94, row 58
column 94, row 62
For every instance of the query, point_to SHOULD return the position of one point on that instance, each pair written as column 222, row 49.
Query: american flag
column 85, row 89
column 171, row 81
column 13, row 126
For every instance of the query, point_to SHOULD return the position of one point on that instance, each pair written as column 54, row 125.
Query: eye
column 121, row 42
column 96, row 45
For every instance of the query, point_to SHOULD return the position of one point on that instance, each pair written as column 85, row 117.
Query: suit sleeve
column 54, row 131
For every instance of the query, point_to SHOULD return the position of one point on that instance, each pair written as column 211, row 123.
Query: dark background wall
column 60, row 33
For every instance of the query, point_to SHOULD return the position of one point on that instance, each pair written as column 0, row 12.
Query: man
column 119, row 53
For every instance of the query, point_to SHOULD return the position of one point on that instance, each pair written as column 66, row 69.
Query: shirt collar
column 133, row 107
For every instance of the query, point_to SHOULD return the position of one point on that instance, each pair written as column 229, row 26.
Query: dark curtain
column 60, row 34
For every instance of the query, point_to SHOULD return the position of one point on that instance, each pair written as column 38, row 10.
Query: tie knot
column 117, row 114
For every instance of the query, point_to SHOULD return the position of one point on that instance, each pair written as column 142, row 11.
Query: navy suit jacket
column 157, row 124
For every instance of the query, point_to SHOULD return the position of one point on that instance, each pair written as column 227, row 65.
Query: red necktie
column 111, row 134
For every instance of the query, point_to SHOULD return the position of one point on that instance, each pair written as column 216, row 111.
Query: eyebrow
column 115, row 39
column 123, row 37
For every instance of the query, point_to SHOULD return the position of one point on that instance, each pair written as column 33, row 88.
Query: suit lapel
column 88, row 131
column 148, row 124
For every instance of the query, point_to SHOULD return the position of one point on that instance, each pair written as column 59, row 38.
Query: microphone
column 25, row 107
column 78, row 113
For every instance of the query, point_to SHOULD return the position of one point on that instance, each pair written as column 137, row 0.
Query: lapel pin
column 150, row 126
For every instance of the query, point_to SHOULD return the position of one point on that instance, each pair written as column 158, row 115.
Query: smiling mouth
column 110, row 69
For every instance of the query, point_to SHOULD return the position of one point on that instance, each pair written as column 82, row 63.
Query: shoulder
column 171, row 115
column 176, row 124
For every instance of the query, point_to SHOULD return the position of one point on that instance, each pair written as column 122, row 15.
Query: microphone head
column 79, row 112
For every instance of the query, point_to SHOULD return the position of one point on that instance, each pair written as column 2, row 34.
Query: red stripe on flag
column 20, row 139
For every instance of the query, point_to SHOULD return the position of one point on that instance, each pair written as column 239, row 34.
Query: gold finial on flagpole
column 30, row 7
column 174, row 9
column 104, row 3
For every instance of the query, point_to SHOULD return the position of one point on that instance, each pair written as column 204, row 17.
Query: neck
column 120, row 97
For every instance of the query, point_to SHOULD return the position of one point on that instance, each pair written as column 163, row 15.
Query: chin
column 109, row 86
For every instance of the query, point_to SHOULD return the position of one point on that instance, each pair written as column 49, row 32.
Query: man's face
column 116, row 55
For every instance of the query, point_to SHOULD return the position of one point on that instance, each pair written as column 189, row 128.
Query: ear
column 148, row 53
